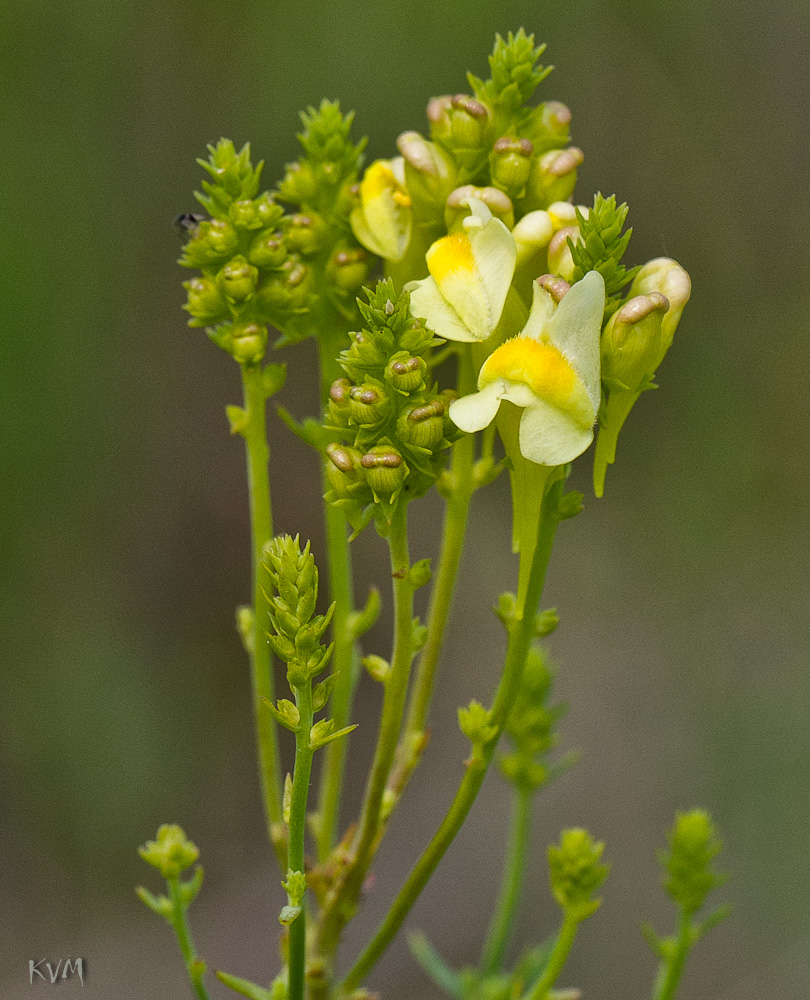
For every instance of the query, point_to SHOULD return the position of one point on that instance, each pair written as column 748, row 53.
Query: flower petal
column 575, row 328
column 429, row 305
column 549, row 436
column 543, row 306
column 452, row 266
column 495, row 254
column 477, row 410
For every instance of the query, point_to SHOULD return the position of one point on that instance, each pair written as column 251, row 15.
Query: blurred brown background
column 684, row 594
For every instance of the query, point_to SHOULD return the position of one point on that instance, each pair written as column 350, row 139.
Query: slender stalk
column 672, row 976
column 341, row 592
column 503, row 919
column 520, row 639
column 184, row 939
column 261, row 527
column 348, row 888
column 557, row 959
column 298, row 821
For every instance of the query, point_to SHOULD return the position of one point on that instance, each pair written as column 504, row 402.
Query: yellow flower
column 470, row 274
column 382, row 220
column 550, row 370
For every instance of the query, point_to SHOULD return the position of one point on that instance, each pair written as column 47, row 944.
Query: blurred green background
column 684, row 594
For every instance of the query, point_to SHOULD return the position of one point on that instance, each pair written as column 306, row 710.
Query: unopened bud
column 631, row 342
column 348, row 269
column 221, row 236
column 555, row 119
column 563, row 213
column 368, row 404
column 468, row 121
column 343, row 470
column 560, row 259
column 385, row 470
column 430, row 172
column 305, row 234
column 268, row 250
column 248, row 342
column 496, row 201
column 532, row 234
column 244, row 214
column 556, row 287
column 339, row 393
column 206, row 304
column 509, row 163
column 406, row 373
column 171, row 852
column 553, row 177
column 238, row 279
column 422, row 425
column 670, row 279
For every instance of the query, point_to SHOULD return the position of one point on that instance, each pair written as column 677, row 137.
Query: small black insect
column 187, row 222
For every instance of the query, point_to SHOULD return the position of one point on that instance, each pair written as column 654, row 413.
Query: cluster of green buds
column 391, row 419
column 327, row 264
column 532, row 728
column 489, row 145
column 247, row 278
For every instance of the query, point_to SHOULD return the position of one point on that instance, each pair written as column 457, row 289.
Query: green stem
column 675, row 965
column 261, row 526
column 347, row 890
column 514, row 868
column 340, row 589
column 184, row 939
column 520, row 638
column 557, row 960
column 296, row 850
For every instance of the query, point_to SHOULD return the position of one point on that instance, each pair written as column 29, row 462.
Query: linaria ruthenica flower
column 382, row 220
column 470, row 274
column 551, row 370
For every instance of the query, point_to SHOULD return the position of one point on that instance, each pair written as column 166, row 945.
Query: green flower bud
column 563, row 213
column 468, row 121
column 171, row 853
column 385, row 471
column 532, row 234
column 300, row 185
column 297, row 282
column 206, row 303
column 555, row 286
column 430, row 172
column 631, row 342
column 248, row 342
column 474, row 722
column 339, row 393
column 406, row 373
column 670, row 279
column 365, row 350
column 509, row 163
column 244, row 214
column 220, row 235
column 268, row 250
column 496, row 201
column 368, row 404
column 576, row 873
column 348, row 269
column 343, row 471
column 560, row 260
column 238, row 279
column 305, row 234
column 422, row 425
column 553, row 177
column 693, row 846
column 267, row 211
column 553, row 126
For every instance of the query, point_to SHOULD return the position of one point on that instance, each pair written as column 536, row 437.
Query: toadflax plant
column 470, row 319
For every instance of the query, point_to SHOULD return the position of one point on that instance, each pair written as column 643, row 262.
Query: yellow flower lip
column 540, row 366
column 449, row 255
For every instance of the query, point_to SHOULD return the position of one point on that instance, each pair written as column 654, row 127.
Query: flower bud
column 300, row 185
column 406, row 373
column 244, row 214
column 296, row 283
column 670, row 279
column 468, row 120
column 348, row 269
column 532, row 234
column 563, row 213
column 576, row 872
column 382, row 220
column 556, row 287
column 631, row 342
column 171, row 853
column 220, row 235
column 554, row 120
column 268, row 250
column 368, row 404
column 248, row 342
column 305, row 234
column 422, row 425
column 385, row 470
column 553, row 177
column 560, row 260
column 430, row 172
column 206, row 304
column 509, row 163
column 343, row 471
column 496, row 201
column 238, row 279
column 367, row 351
column 339, row 393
